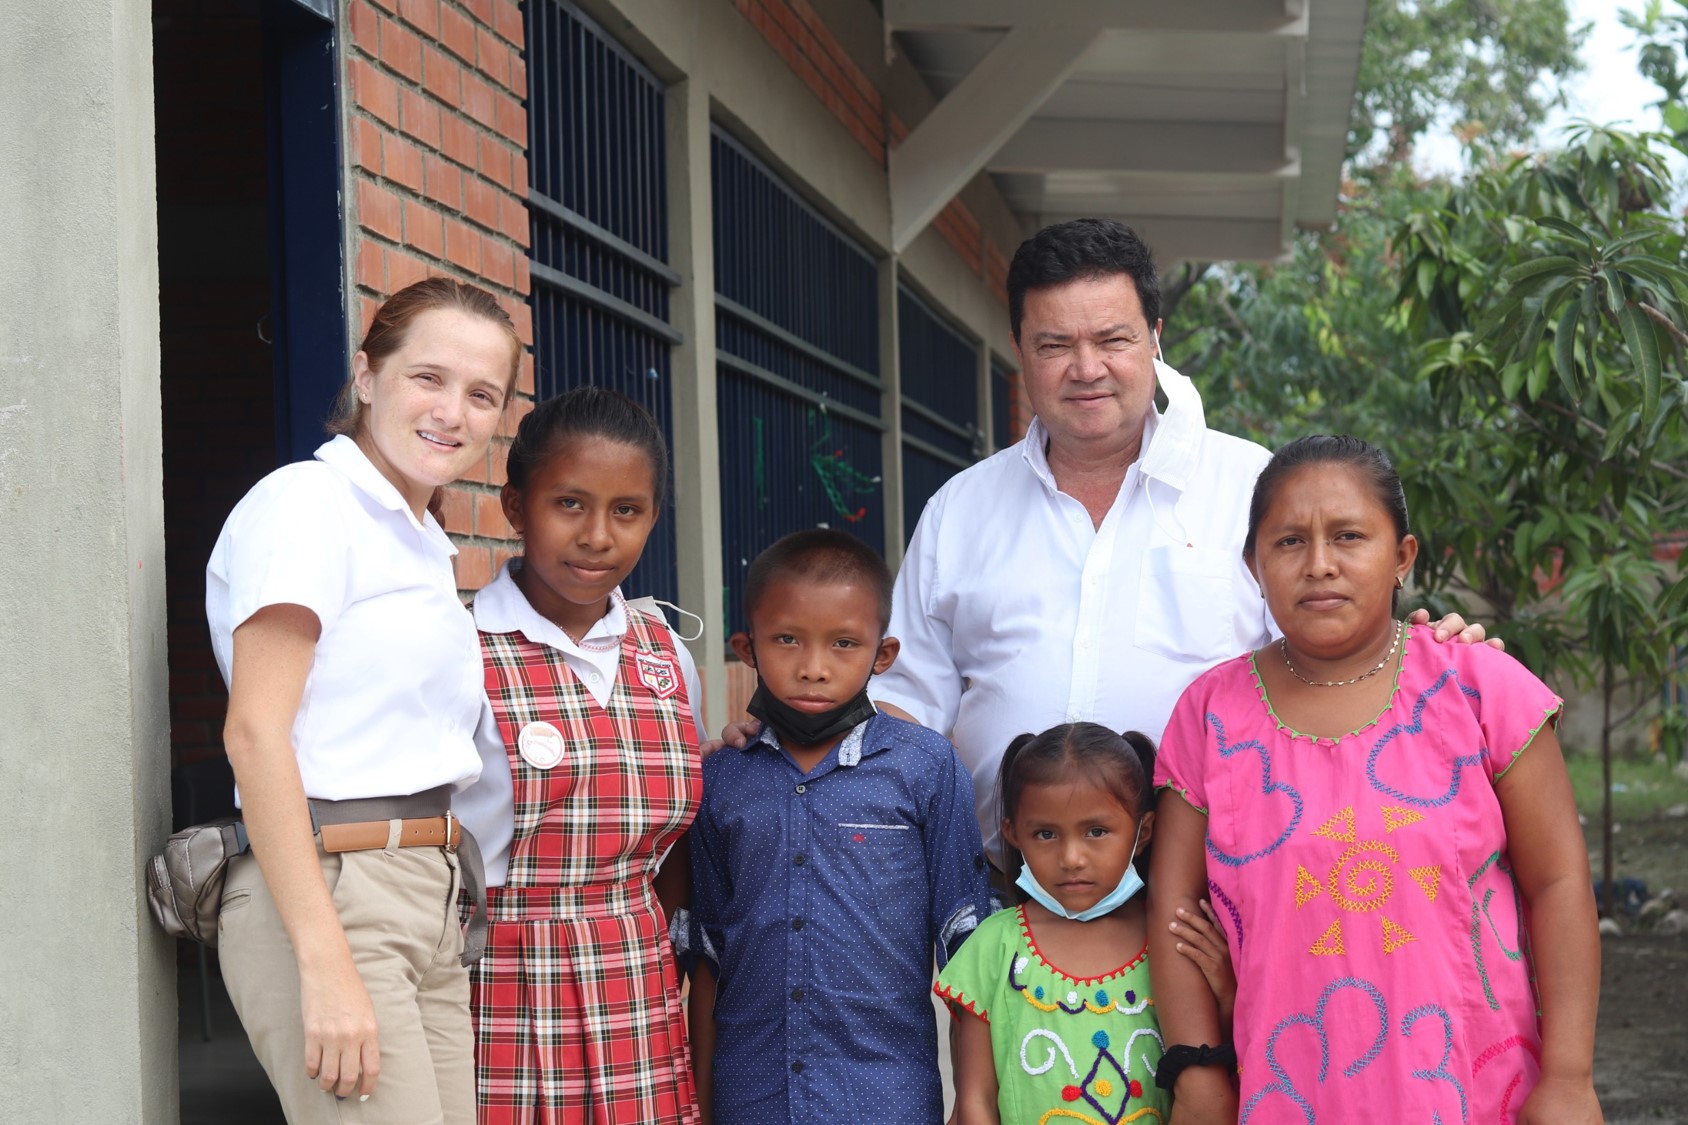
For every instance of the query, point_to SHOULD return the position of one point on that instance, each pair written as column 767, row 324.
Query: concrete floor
column 221, row 1079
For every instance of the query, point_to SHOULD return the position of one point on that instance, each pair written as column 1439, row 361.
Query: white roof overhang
column 1214, row 128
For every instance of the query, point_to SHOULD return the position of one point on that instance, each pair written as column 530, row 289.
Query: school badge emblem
column 540, row 745
column 657, row 674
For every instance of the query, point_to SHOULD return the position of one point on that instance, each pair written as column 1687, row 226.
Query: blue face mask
column 1129, row 884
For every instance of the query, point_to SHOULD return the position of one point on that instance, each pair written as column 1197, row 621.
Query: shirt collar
column 851, row 750
column 1171, row 439
column 347, row 458
column 501, row 607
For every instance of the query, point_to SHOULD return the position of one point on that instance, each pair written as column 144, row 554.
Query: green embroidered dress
column 1067, row 1048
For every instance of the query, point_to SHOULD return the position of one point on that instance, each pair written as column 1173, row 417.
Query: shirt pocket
column 885, row 868
column 1186, row 604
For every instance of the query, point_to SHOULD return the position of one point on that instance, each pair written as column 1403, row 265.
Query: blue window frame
column 1002, row 404
column 598, row 204
column 797, row 362
column 940, row 402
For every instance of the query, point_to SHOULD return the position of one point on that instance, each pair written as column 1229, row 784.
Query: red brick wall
column 438, row 143
column 800, row 37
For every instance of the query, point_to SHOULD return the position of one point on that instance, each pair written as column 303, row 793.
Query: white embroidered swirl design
column 1050, row 1061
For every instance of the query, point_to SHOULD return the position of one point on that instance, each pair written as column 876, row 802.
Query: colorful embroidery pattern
column 1267, row 788
column 1416, row 726
column 1316, row 1020
column 1361, row 879
column 1066, row 1048
column 1387, row 940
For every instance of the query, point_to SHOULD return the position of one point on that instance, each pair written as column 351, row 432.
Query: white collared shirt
column 395, row 689
column 1016, row 613
column 488, row 808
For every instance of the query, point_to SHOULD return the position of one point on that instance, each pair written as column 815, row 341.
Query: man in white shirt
column 1093, row 570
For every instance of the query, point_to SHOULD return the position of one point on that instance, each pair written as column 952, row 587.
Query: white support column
column 87, row 982
column 891, row 409
column 953, row 142
column 697, row 445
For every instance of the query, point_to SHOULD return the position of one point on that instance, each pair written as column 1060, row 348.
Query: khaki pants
column 399, row 910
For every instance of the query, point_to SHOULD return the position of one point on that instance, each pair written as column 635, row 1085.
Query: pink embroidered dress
column 1366, row 893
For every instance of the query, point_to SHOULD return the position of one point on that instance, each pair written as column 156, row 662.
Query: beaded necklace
column 1283, row 647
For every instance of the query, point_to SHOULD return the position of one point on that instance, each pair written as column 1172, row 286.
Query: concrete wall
column 87, row 999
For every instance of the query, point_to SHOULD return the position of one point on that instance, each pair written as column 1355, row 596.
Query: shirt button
column 798, row 860
column 797, row 923
column 797, row 994
column 802, row 788
column 797, row 1067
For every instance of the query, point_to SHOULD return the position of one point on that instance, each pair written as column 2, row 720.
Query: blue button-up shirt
column 821, row 900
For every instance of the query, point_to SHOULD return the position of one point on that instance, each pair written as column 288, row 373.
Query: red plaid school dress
column 577, row 1002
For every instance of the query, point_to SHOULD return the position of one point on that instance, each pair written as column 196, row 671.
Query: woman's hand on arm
column 975, row 1071
column 1189, row 1015
column 273, row 651
column 1199, row 938
column 1550, row 861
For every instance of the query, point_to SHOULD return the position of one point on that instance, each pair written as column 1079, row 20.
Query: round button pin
column 541, row 745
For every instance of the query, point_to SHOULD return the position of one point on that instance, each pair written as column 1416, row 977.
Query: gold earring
column 1400, row 583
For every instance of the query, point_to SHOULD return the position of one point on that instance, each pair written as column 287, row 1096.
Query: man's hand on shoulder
column 736, row 735
column 1453, row 627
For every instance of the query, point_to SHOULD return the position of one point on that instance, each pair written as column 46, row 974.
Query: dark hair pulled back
column 1121, row 764
column 1366, row 459
column 587, row 412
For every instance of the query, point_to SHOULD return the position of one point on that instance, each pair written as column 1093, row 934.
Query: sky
column 1609, row 89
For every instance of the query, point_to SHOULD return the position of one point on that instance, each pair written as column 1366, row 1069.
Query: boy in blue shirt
column 832, row 858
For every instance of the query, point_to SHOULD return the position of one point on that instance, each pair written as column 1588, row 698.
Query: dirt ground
column 1641, row 1041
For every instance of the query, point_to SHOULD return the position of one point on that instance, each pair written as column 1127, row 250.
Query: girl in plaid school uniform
column 594, row 777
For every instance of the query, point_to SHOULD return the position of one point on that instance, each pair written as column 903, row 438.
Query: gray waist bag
column 185, row 882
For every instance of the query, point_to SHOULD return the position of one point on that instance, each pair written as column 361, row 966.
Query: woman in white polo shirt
column 355, row 691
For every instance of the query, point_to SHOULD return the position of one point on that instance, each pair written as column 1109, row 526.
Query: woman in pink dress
column 1386, row 830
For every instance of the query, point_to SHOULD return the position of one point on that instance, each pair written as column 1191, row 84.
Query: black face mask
column 804, row 728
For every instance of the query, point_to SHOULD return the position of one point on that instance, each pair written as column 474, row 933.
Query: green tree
column 1494, row 67
column 1551, row 294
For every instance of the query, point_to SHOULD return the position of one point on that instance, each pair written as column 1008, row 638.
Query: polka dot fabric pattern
column 822, row 899
column 1365, row 890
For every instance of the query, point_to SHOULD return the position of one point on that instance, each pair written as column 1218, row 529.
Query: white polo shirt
column 488, row 807
column 1016, row 613
column 394, row 693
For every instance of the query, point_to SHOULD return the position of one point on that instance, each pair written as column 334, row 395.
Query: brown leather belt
column 425, row 821
column 372, row 835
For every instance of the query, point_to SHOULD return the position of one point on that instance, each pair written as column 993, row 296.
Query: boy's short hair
column 819, row 556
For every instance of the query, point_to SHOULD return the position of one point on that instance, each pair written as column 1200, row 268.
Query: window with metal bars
column 1002, row 404
column 940, row 402
column 598, row 202
column 797, row 363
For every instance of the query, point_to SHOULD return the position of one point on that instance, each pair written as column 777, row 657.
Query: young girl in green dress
column 1052, row 998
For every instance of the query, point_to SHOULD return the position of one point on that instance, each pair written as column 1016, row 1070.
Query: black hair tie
column 1175, row 1059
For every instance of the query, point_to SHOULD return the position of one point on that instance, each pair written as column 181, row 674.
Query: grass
column 1642, row 787
column 1649, row 845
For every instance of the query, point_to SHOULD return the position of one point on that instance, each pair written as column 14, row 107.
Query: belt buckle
column 451, row 844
